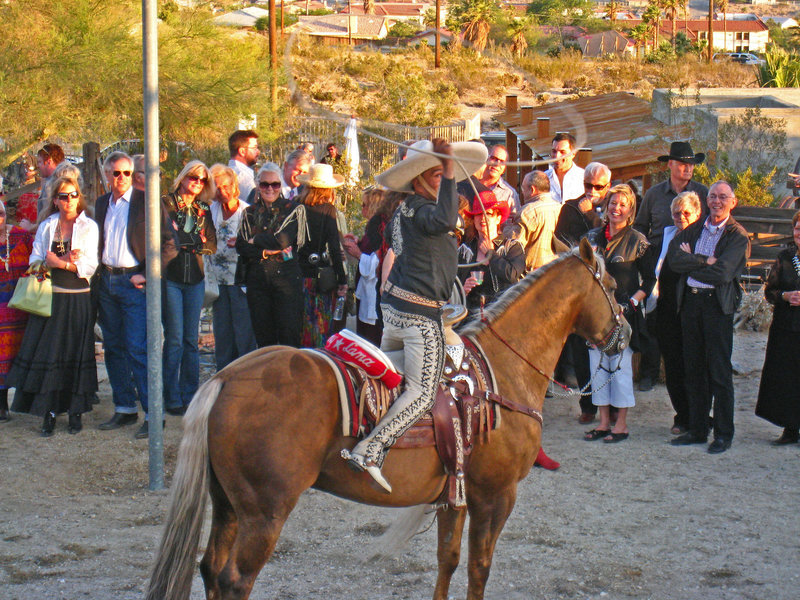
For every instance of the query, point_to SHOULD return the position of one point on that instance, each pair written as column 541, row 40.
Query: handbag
column 211, row 292
column 326, row 279
column 34, row 293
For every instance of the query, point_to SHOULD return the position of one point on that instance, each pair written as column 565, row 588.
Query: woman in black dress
column 55, row 370
column 779, row 392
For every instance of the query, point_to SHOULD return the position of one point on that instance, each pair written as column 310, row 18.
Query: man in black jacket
column 710, row 255
column 120, row 291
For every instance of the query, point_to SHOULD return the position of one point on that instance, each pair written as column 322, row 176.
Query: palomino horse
column 268, row 427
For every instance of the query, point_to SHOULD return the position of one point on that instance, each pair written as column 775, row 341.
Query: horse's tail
column 400, row 532
column 171, row 576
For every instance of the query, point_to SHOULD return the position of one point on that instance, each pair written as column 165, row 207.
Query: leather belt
column 123, row 270
column 397, row 292
column 701, row 291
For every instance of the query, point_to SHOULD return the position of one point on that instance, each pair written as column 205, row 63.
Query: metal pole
column 437, row 62
column 153, row 225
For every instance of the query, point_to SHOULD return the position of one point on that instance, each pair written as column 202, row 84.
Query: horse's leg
column 451, row 526
column 488, row 511
column 220, row 540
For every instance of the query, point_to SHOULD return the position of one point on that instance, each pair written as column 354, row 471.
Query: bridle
column 606, row 343
column 611, row 338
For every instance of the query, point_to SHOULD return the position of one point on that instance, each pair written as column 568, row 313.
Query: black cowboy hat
column 682, row 151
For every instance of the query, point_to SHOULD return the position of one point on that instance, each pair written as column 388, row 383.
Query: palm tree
column 639, row 34
column 516, row 30
column 671, row 11
column 612, row 8
column 369, row 7
column 475, row 18
column 723, row 6
column 652, row 17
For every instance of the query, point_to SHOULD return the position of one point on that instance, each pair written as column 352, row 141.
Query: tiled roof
column 365, row 26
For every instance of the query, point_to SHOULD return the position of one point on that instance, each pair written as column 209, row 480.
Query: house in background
column 606, row 43
column 341, row 29
column 746, row 35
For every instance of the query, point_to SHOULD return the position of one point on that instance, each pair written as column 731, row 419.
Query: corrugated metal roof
column 618, row 127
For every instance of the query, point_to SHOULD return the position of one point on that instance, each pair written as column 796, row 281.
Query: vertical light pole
column 153, row 242
column 438, row 24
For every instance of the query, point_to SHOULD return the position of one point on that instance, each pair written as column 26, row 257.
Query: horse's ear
column 587, row 254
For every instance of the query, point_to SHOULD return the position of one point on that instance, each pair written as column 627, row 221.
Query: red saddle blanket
column 464, row 410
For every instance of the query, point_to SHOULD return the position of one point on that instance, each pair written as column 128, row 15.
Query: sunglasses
column 265, row 185
column 202, row 180
column 594, row 186
column 64, row 196
column 121, row 173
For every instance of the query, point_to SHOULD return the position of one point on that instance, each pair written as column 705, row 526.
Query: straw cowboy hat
column 682, row 151
column 398, row 178
column 321, row 175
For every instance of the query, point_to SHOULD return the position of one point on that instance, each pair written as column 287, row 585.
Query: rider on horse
column 420, row 283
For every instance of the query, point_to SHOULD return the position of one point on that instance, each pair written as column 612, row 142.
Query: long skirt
column 12, row 330
column 779, row 391
column 317, row 315
column 55, row 366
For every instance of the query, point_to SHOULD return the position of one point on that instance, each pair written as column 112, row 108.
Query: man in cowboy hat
column 653, row 216
column 422, row 238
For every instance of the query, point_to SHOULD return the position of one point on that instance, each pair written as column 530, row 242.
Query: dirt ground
column 640, row 519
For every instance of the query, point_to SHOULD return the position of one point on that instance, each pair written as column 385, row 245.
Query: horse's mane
column 500, row 305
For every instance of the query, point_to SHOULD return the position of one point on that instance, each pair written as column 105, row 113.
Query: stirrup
column 359, row 464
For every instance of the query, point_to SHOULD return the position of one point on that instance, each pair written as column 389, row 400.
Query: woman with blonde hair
column 55, row 370
column 233, row 331
column 320, row 250
column 628, row 258
column 190, row 234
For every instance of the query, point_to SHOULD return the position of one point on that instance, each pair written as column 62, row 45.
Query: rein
column 606, row 343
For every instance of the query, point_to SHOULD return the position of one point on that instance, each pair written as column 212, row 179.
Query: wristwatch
column 634, row 302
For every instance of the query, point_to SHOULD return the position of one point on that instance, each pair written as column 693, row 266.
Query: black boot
column 790, row 435
column 3, row 406
column 49, row 424
column 74, row 424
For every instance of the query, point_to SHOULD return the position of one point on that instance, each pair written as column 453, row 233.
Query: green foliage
column 402, row 29
column 262, row 24
column 782, row 69
column 474, row 19
column 559, row 13
column 664, row 52
column 751, row 189
column 752, row 150
column 74, row 70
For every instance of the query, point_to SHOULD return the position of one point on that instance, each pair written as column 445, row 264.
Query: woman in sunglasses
column 268, row 266
column 55, row 369
column 189, row 235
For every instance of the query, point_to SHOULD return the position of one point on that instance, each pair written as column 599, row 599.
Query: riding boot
column 3, row 406
column 75, row 424
column 49, row 424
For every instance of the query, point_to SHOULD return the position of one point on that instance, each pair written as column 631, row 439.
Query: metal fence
column 375, row 154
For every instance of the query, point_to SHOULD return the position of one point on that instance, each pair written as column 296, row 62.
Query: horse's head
column 601, row 321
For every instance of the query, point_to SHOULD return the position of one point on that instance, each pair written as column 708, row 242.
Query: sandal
column 596, row 434
column 613, row 438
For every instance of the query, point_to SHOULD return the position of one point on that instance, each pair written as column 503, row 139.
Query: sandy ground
column 640, row 519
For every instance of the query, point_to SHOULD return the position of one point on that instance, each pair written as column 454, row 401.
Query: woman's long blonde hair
column 197, row 167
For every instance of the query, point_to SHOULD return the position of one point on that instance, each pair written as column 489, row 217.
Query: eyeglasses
column 119, row 173
column 64, row 196
column 202, row 180
column 265, row 185
column 594, row 186
column 683, row 213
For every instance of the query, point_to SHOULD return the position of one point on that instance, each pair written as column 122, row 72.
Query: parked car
column 745, row 58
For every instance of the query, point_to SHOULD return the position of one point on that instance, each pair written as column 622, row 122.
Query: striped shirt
column 706, row 244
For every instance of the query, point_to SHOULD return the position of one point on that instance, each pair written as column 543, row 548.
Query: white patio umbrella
column 351, row 151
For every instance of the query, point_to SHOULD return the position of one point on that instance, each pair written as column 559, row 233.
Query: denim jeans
column 181, row 318
column 122, row 317
column 233, row 332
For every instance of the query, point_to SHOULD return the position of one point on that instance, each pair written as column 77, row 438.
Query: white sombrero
column 472, row 155
column 321, row 175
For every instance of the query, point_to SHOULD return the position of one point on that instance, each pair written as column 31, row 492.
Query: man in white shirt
column 566, row 178
column 120, row 292
column 297, row 163
column 243, row 148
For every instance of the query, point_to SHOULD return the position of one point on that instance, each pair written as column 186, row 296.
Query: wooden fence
column 770, row 231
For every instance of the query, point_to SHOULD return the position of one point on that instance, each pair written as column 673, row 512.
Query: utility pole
column 438, row 23
column 710, row 29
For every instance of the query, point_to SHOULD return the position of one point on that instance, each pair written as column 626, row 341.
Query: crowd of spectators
column 268, row 253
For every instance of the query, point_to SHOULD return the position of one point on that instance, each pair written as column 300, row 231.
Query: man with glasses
column 243, row 147
column 710, row 255
column 653, row 216
column 121, row 290
column 565, row 176
column 490, row 177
